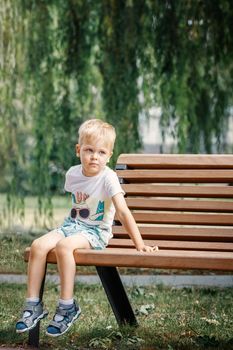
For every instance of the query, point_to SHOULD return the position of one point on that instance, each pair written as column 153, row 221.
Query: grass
column 168, row 319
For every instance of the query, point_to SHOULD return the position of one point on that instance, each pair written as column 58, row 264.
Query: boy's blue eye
column 91, row 151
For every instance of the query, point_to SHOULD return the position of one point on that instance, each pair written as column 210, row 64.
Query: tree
column 65, row 61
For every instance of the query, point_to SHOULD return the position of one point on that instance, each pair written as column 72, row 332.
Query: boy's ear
column 77, row 148
column 110, row 156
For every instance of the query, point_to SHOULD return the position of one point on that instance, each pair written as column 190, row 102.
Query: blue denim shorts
column 97, row 237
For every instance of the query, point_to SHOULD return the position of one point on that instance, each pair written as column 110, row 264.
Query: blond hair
column 96, row 129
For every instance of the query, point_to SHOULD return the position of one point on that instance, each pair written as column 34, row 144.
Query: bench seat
column 217, row 257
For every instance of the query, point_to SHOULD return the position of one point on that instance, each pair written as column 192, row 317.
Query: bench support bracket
column 116, row 294
column 34, row 334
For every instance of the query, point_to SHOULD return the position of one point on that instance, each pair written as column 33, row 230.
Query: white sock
column 33, row 300
column 66, row 302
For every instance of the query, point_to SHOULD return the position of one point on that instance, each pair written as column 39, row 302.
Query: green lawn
column 168, row 319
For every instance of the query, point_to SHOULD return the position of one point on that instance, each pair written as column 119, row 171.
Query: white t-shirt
column 92, row 195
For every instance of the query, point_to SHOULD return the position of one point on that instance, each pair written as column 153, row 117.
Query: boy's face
column 94, row 156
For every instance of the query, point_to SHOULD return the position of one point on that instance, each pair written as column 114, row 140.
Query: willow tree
column 13, row 124
column 118, row 35
column 65, row 61
column 193, row 50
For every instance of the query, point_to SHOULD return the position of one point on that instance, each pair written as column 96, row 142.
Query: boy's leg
column 37, row 261
column 66, row 263
column 67, row 311
column 33, row 310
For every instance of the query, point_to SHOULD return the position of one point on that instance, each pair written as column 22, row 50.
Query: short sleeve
column 112, row 184
column 70, row 179
column 67, row 183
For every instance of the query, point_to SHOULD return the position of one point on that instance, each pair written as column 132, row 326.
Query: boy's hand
column 149, row 249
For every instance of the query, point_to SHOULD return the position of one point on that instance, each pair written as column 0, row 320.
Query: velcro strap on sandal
column 30, row 308
column 59, row 325
column 33, row 308
column 61, row 312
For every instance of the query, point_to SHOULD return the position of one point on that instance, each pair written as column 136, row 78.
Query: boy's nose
column 95, row 155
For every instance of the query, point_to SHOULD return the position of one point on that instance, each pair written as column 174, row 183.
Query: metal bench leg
column 116, row 294
column 34, row 334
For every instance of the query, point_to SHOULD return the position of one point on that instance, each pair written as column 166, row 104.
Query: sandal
column 68, row 317
column 31, row 315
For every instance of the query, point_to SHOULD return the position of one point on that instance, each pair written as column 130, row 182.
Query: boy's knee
column 37, row 246
column 61, row 246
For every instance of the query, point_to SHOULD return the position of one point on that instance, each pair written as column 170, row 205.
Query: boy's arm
column 127, row 220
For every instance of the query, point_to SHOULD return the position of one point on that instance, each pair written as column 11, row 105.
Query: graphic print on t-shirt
column 92, row 197
column 87, row 208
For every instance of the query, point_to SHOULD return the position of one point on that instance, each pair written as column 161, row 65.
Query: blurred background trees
column 65, row 61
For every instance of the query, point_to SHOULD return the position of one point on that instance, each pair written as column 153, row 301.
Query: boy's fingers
column 149, row 249
column 152, row 249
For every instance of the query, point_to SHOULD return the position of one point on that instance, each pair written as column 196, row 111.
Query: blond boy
column 96, row 195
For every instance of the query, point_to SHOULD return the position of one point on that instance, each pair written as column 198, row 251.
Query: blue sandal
column 68, row 317
column 31, row 315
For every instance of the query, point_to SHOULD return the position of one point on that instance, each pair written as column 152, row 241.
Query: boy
column 96, row 195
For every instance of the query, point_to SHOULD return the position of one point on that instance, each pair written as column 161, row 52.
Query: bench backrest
column 178, row 201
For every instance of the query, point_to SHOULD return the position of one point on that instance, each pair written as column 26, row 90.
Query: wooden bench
column 183, row 204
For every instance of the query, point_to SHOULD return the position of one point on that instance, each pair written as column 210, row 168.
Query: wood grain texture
column 181, row 161
column 126, row 257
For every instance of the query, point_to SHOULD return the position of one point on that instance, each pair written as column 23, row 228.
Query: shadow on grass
column 8, row 337
column 123, row 338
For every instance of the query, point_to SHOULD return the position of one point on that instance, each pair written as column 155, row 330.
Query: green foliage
column 180, row 320
column 12, row 120
column 65, row 61
column 118, row 65
column 194, row 49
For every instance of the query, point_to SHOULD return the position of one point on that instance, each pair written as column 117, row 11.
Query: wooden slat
column 178, row 190
column 184, row 219
column 183, row 245
column 184, row 205
column 184, row 175
column 162, row 259
column 220, row 234
column 182, row 161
